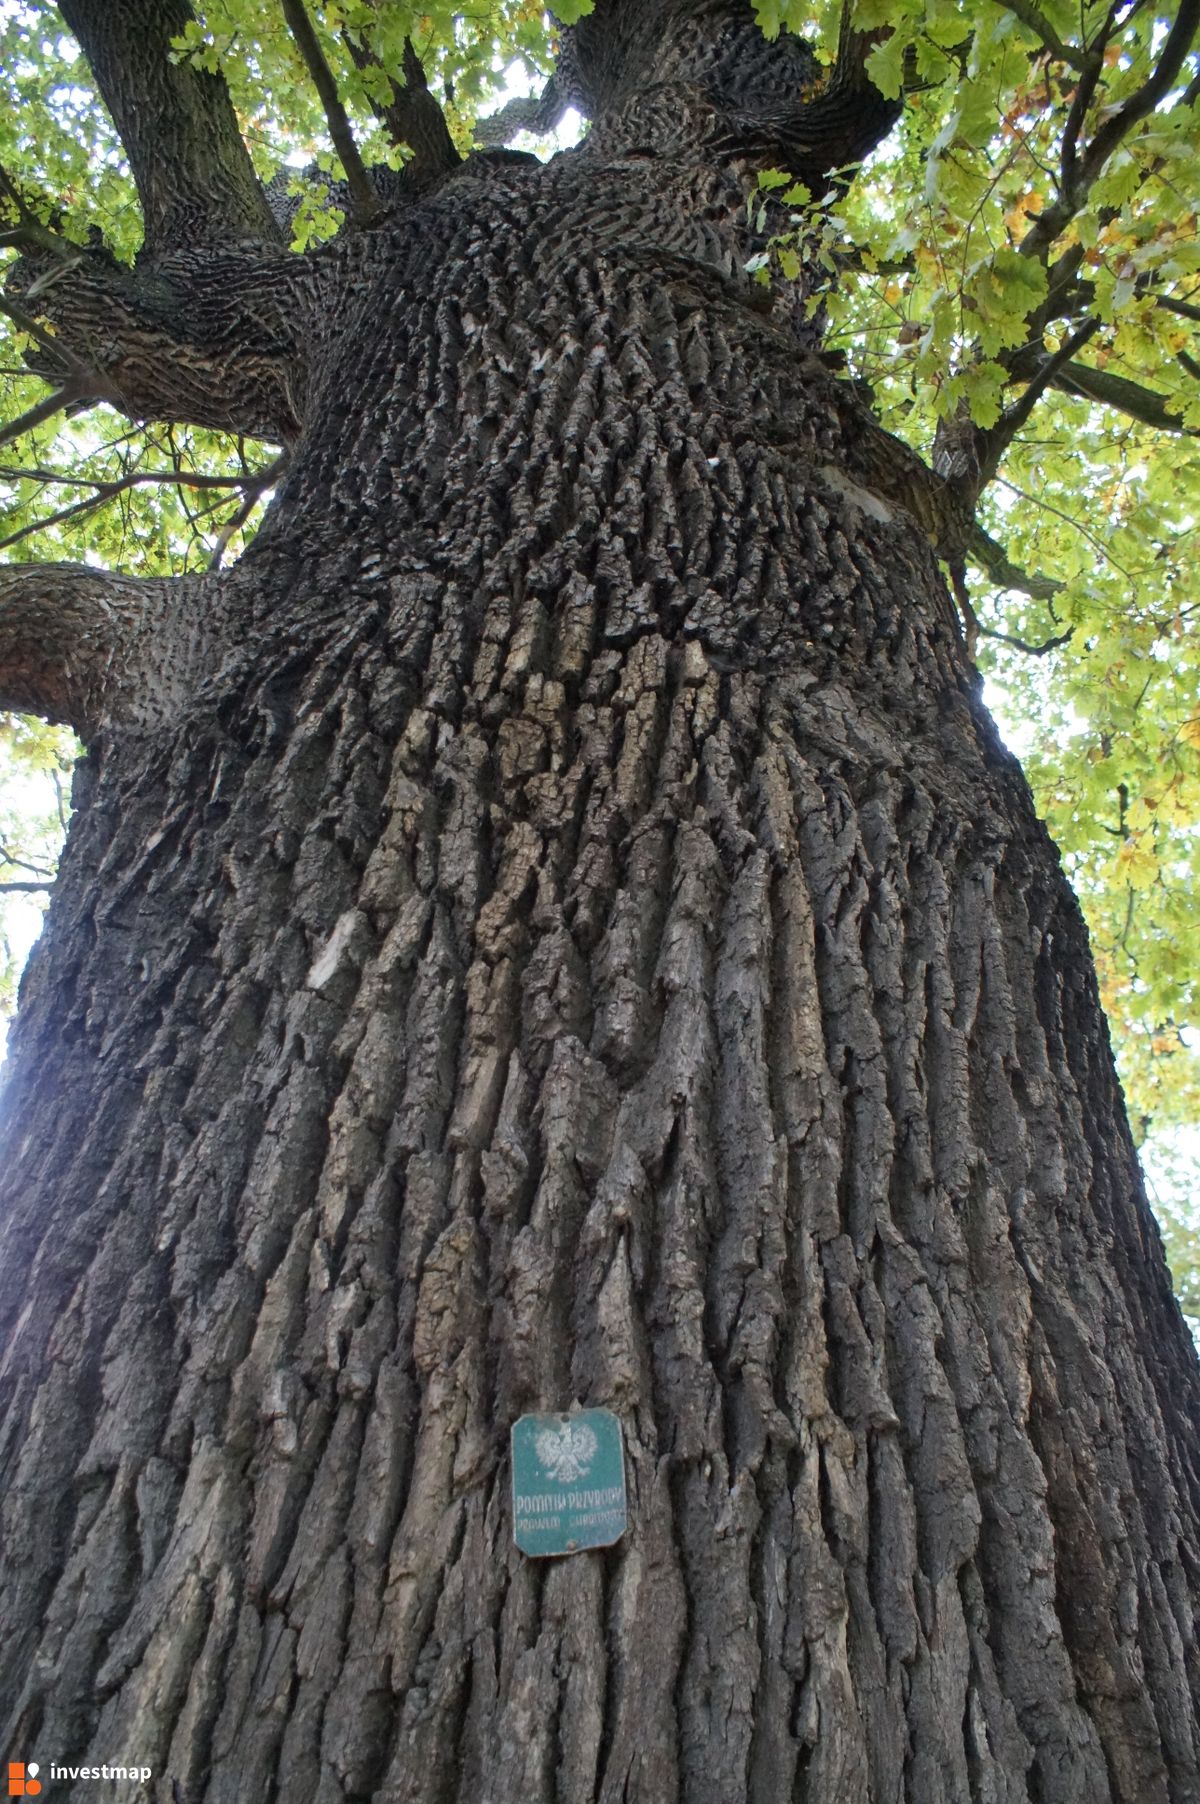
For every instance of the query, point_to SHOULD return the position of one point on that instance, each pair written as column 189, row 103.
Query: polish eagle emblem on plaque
column 566, row 1452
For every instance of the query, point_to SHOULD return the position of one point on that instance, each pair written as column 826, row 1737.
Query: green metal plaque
column 568, row 1480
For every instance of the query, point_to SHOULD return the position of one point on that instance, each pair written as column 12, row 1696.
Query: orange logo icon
column 22, row 1782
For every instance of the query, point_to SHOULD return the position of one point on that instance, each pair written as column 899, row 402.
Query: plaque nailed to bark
column 555, row 920
column 568, row 1483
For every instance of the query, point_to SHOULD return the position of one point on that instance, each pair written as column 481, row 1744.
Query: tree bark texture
column 578, row 938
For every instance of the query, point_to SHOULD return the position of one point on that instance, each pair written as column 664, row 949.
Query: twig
column 1069, row 519
column 109, row 491
column 189, row 479
column 365, row 204
column 22, row 864
column 235, row 522
column 30, row 233
column 60, row 800
column 1035, row 651
column 8, row 887
column 61, row 398
column 1038, row 22
column 1079, row 174
column 962, row 595
column 26, row 323
column 77, row 510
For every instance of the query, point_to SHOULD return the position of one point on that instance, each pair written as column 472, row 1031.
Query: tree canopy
column 1012, row 283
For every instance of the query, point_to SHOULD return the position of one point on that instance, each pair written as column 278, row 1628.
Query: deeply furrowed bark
column 206, row 338
column 85, row 648
column 583, row 940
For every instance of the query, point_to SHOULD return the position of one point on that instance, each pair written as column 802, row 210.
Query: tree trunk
column 583, row 941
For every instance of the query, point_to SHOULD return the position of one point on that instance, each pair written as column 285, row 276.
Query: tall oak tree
column 554, row 924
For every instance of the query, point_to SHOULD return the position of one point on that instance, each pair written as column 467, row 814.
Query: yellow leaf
column 1137, row 862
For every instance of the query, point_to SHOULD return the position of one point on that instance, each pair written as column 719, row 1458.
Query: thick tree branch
column 1185, row 309
column 1060, row 370
column 994, row 441
column 892, row 470
column 538, row 113
column 994, row 561
column 658, row 75
column 838, row 125
column 1179, row 41
column 1081, row 100
column 412, row 118
column 81, row 647
column 364, row 203
column 194, row 176
column 1091, row 69
column 206, row 338
column 1141, row 404
column 1080, row 171
column 29, row 236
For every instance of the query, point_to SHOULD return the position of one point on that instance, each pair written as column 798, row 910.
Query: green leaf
column 982, row 387
column 885, row 65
